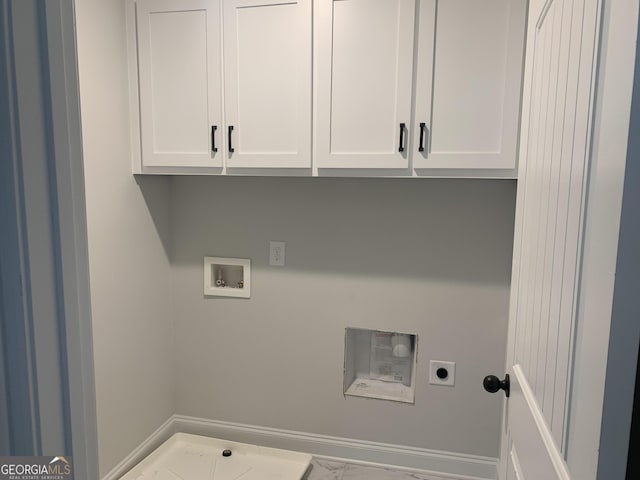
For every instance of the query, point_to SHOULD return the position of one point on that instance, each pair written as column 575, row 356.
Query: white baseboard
column 163, row 433
column 453, row 465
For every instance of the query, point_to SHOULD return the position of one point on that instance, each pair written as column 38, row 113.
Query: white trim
column 134, row 79
column 52, row 379
column 360, row 452
column 74, row 260
column 515, row 461
column 596, row 360
column 624, row 335
column 487, row 174
column 545, row 434
column 153, row 441
column 346, row 449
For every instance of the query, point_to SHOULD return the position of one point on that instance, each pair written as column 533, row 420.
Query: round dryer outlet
column 442, row 373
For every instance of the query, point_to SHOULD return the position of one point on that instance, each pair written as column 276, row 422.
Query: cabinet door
column 468, row 81
column 364, row 78
column 267, row 59
column 179, row 73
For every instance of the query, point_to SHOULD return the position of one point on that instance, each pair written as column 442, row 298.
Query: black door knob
column 492, row 384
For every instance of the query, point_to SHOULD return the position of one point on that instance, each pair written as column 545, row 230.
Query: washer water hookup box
column 227, row 277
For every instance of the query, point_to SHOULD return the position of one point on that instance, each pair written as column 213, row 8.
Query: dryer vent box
column 380, row 364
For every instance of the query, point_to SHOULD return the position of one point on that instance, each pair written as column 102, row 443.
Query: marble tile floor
column 328, row 470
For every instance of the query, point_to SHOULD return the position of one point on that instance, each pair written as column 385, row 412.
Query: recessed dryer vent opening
column 380, row 364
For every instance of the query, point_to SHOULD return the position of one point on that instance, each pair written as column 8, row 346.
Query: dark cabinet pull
column 402, row 128
column 213, row 138
column 230, row 132
column 423, row 126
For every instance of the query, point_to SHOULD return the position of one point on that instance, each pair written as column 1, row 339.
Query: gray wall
column 129, row 265
column 432, row 257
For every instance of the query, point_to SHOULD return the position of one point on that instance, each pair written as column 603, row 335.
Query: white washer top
column 193, row 457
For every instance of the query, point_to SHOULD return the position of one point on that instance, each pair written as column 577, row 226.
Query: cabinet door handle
column 401, row 146
column 423, row 127
column 231, row 150
column 213, row 138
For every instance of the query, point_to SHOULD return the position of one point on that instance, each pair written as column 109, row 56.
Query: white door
column 468, row 77
column 363, row 81
column 555, row 139
column 267, row 59
column 179, row 69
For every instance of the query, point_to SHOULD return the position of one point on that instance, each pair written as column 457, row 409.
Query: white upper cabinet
column 326, row 87
column 180, row 61
column 364, row 77
column 179, row 82
column 468, row 78
column 267, row 65
column 465, row 92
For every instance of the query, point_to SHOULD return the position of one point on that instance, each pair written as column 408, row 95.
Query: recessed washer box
column 227, row 277
column 380, row 364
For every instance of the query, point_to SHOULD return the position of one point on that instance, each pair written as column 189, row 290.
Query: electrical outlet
column 276, row 254
column 442, row 373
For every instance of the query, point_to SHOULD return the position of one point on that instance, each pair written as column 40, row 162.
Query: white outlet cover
column 450, row 380
column 276, row 254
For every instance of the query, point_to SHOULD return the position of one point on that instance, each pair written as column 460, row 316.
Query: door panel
column 179, row 71
column 364, row 79
column 514, row 472
column 268, row 82
column 552, row 185
column 540, row 458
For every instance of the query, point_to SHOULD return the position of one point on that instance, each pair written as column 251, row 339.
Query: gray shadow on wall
column 156, row 191
column 453, row 229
